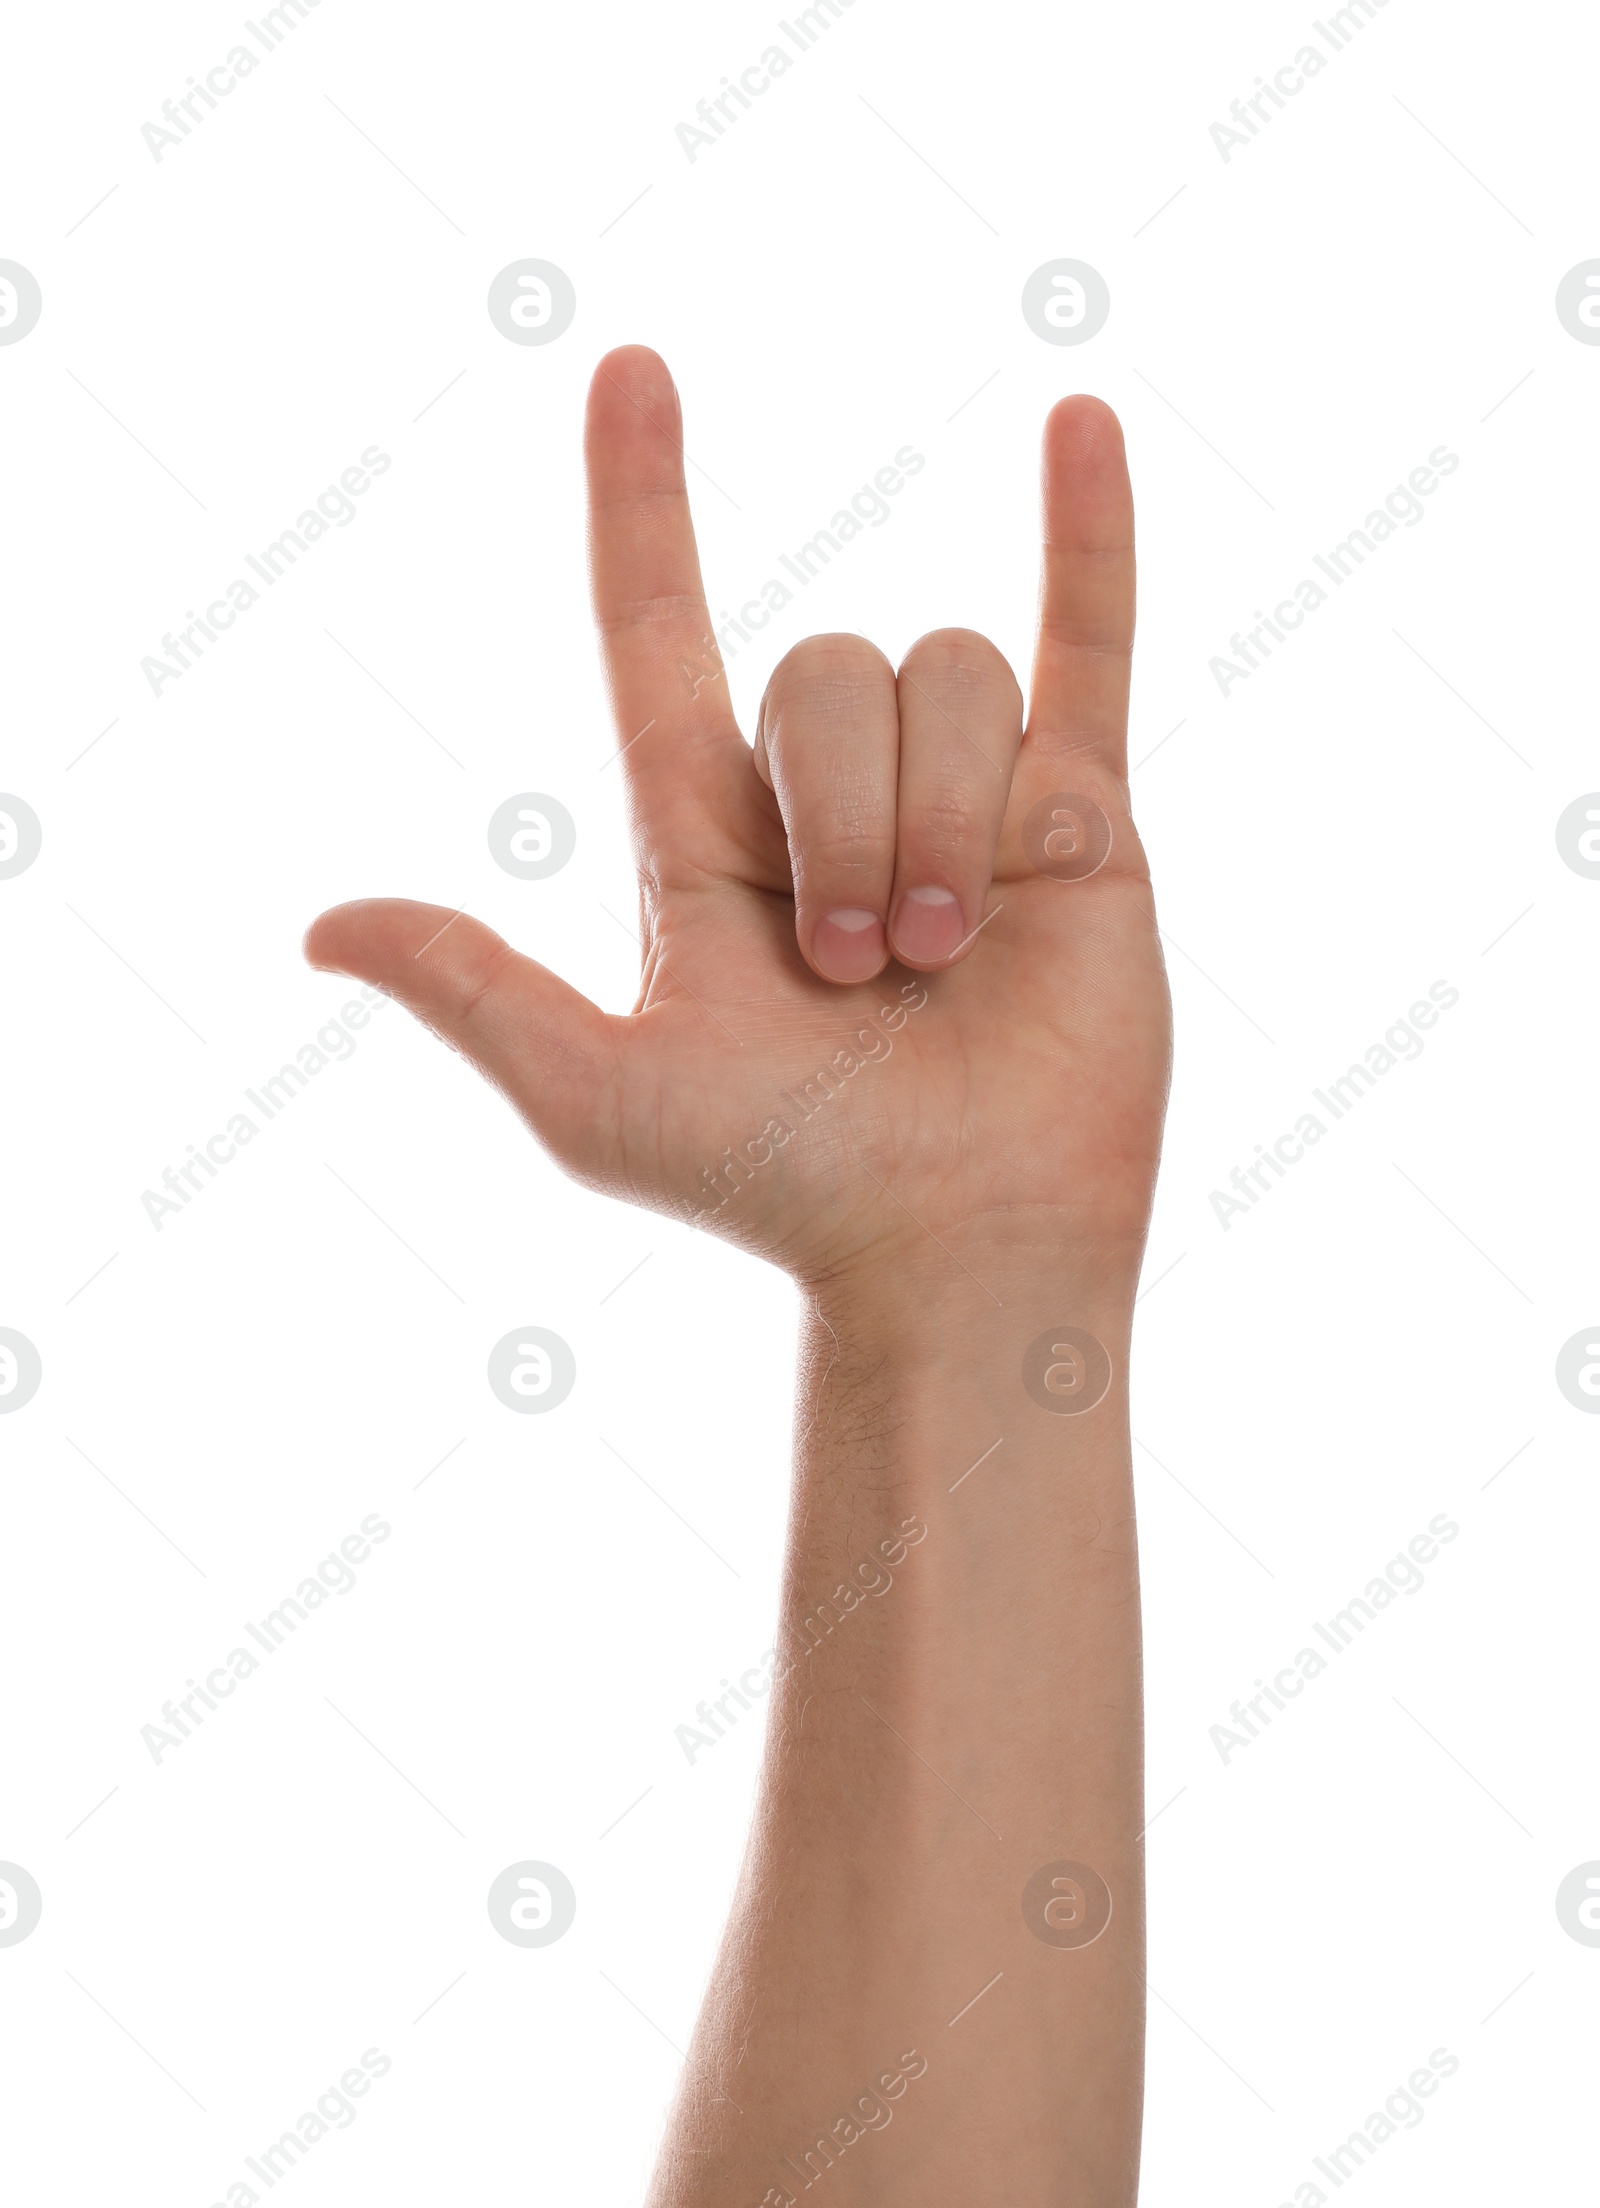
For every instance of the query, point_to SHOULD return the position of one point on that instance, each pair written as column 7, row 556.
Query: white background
column 1371, row 812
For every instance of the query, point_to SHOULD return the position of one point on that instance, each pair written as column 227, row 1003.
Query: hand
column 869, row 1026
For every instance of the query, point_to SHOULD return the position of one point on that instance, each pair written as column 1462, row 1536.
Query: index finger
column 669, row 693
column 1084, row 651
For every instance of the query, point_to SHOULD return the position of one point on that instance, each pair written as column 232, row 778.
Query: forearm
column 957, row 1710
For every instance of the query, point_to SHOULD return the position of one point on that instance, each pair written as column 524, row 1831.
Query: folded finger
column 828, row 742
column 960, row 729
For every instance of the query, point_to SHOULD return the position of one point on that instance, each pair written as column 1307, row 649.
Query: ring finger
column 960, row 730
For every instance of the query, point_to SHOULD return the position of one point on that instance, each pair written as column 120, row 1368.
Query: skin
column 957, row 1701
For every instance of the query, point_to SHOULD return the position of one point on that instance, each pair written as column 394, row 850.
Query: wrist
column 955, row 1301
column 914, row 1375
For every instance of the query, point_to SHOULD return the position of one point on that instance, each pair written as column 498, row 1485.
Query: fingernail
column 928, row 924
column 848, row 945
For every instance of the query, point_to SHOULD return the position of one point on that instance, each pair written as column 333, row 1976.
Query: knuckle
column 829, row 659
column 826, row 705
column 946, row 826
column 1094, row 637
column 480, row 961
column 848, row 846
column 960, row 660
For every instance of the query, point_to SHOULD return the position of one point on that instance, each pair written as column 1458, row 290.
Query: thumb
column 545, row 1047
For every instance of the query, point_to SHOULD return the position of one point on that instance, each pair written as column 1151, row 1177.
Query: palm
column 816, row 1122
column 813, row 1123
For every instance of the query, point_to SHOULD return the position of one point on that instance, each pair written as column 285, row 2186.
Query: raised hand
column 885, row 1004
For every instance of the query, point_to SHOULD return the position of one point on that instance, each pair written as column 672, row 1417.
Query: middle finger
column 828, row 742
